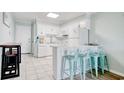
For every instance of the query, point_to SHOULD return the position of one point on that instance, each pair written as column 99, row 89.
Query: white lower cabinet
column 44, row 51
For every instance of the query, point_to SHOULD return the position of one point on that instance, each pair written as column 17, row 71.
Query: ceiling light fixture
column 52, row 15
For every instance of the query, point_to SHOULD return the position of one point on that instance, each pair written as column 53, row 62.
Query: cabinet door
column 83, row 36
column 44, row 51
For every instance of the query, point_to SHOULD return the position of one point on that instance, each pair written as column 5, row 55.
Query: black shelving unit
column 11, row 57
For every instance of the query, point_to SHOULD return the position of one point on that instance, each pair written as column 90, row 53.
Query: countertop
column 9, row 44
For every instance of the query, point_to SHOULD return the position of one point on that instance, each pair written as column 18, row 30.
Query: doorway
column 23, row 36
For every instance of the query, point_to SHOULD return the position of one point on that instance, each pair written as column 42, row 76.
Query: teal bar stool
column 84, row 60
column 98, row 59
column 71, row 57
column 94, row 60
column 103, row 60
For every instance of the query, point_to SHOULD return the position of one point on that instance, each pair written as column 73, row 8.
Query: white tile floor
column 35, row 68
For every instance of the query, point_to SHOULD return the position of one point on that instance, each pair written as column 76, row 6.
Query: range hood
column 64, row 36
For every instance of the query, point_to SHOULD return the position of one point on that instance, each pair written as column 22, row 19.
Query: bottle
column 42, row 38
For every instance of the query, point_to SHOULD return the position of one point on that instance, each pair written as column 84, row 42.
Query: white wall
column 72, row 29
column 47, row 28
column 108, row 31
column 6, row 34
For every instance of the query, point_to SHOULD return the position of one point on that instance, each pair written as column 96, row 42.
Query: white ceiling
column 29, row 16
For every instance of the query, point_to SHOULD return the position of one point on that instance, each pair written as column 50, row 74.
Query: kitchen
column 42, row 37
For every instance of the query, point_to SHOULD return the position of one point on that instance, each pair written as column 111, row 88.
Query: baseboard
column 118, row 73
column 25, row 53
column 44, row 56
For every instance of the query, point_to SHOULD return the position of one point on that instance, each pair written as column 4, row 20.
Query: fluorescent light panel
column 52, row 15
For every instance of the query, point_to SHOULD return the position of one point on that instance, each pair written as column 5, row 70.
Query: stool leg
column 89, row 59
column 102, row 64
column 84, row 69
column 106, row 61
column 71, row 69
column 81, row 66
column 75, row 67
column 62, row 68
column 96, row 66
